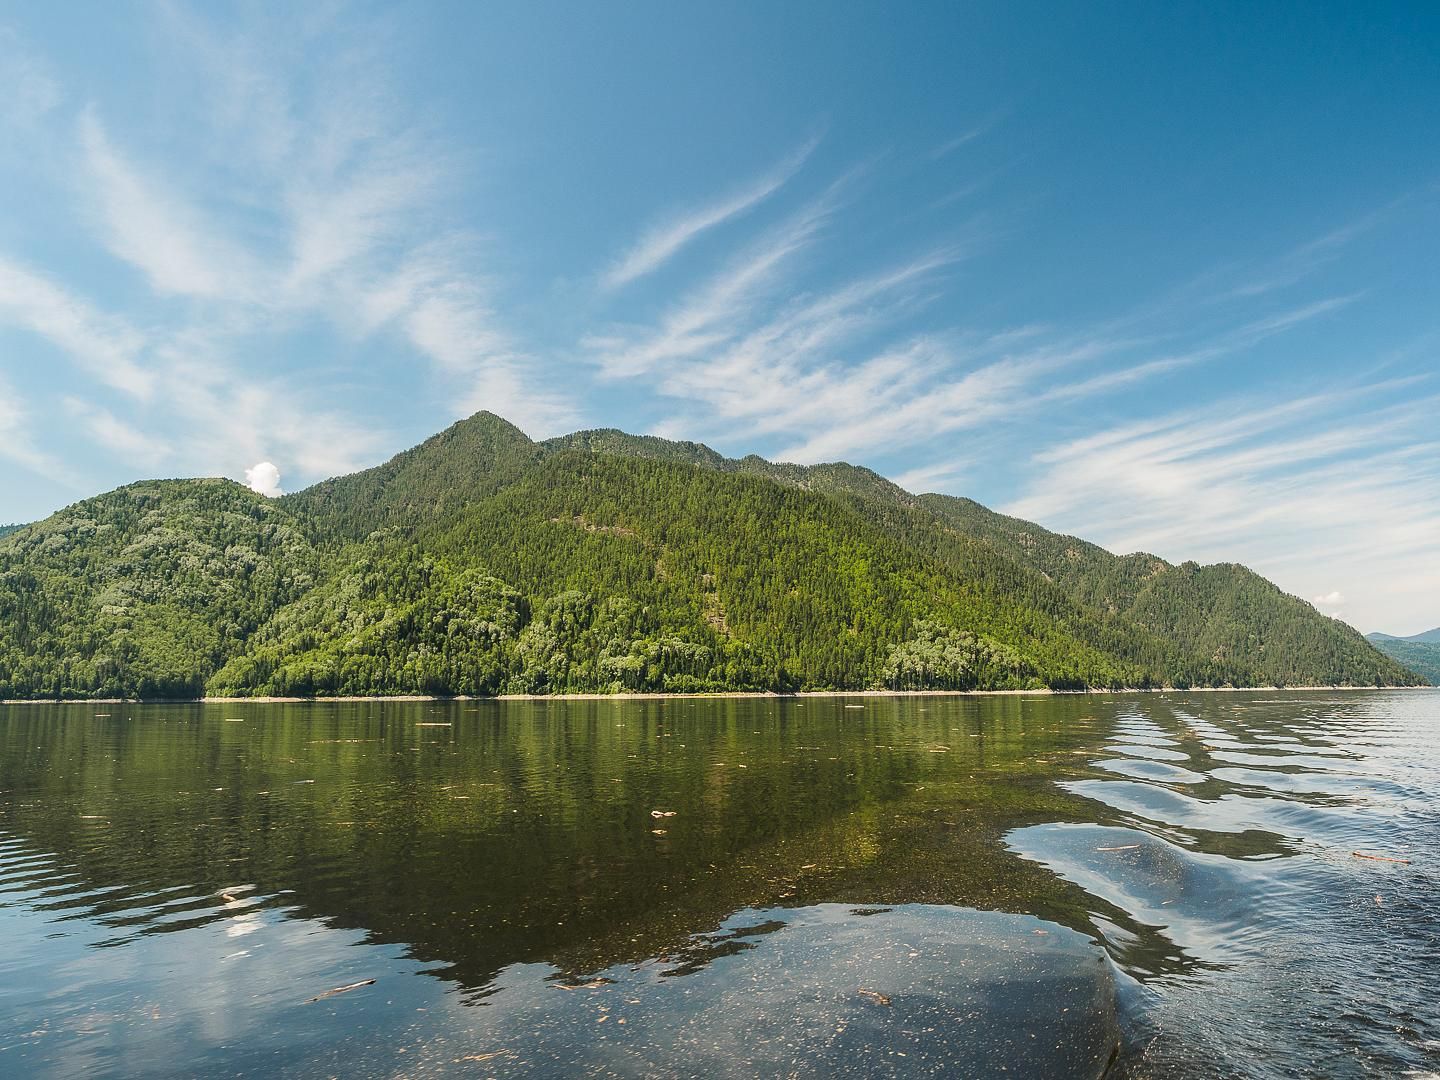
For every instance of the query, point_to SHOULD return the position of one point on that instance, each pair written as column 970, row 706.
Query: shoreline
column 716, row 696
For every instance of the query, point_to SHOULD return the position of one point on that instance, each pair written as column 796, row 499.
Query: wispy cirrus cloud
column 117, row 436
column 955, row 142
column 664, row 240
column 156, row 230
column 712, row 313
column 107, row 347
column 305, row 193
column 750, row 353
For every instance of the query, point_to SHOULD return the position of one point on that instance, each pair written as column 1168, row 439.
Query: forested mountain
column 8, row 529
column 1420, row 653
column 481, row 562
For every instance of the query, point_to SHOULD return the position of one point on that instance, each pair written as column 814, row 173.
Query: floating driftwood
column 341, row 990
column 1379, row 858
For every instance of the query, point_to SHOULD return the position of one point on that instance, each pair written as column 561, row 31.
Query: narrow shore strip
column 718, row 695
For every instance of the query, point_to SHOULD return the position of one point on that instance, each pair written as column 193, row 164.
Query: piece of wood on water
column 1379, row 858
column 342, row 990
column 874, row 995
column 593, row 984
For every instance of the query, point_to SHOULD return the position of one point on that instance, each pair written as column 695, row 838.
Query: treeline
column 483, row 563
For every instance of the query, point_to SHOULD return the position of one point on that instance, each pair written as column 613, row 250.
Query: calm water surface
column 1147, row 885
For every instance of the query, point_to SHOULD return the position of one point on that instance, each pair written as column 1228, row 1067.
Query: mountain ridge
column 1427, row 637
column 482, row 562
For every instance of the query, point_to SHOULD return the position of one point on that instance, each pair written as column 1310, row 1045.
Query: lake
column 1146, row 885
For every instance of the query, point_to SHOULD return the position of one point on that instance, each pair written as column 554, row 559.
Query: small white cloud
column 1331, row 603
column 264, row 478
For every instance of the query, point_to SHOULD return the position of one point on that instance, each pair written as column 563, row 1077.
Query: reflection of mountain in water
column 524, row 832
column 511, row 848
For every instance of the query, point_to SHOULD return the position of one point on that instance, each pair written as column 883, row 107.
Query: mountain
column 8, row 529
column 1428, row 637
column 1419, row 652
column 482, row 562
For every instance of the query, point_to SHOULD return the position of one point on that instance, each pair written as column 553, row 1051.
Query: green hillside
column 1231, row 624
column 481, row 562
column 1421, row 654
column 144, row 591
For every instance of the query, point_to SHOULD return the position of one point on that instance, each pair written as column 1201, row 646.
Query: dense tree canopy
column 481, row 563
column 1421, row 657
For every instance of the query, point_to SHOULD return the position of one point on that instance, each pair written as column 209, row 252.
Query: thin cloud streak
column 156, row 231
column 662, row 242
column 104, row 346
column 105, row 428
column 709, row 316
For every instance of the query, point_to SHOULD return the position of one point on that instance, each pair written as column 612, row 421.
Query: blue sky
column 1164, row 276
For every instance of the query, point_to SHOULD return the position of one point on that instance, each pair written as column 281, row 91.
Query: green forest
column 1420, row 656
column 484, row 563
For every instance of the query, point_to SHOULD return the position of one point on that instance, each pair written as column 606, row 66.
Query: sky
column 1166, row 277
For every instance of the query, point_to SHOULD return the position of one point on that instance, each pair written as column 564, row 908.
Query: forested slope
column 481, row 562
column 1231, row 624
column 144, row 591
column 1421, row 654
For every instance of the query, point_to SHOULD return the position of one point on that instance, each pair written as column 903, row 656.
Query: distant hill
column 481, row 562
column 8, row 529
column 1420, row 652
column 1429, row 636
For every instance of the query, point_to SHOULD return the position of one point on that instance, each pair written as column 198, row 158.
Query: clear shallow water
column 923, row 886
